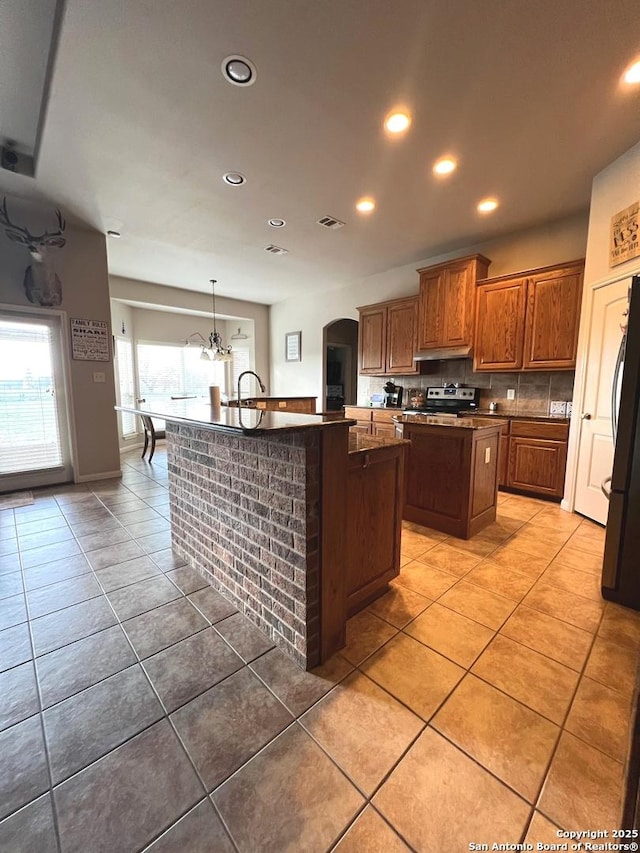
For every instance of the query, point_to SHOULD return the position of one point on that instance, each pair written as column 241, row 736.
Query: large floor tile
column 8, row 545
column 365, row 633
column 501, row 580
column 142, row 787
column 91, row 723
column 438, row 799
column 399, row 605
column 453, row 635
column 600, row 716
column 525, row 564
column 243, row 636
column 583, row 788
column 295, row 688
column 81, row 664
column 425, row 579
column 613, row 664
column 124, row 574
column 94, row 525
column 24, row 773
column 10, row 563
column 542, row 831
column 418, row 676
column 18, row 695
column 13, row 611
column 190, row 667
column 478, row 604
column 213, row 605
column 228, row 724
column 567, row 606
column 112, row 555
column 537, row 681
column 155, row 541
column 167, row 559
column 49, row 553
column 15, row 646
column 621, row 625
column 372, row 834
column 199, row 831
column 30, row 830
column 292, row 769
column 451, row 559
column 73, row 623
column 57, row 571
column 573, row 580
column 156, row 630
column 143, row 596
column 54, row 522
column 57, row 596
column 575, row 558
column 28, row 542
column 114, row 535
column 549, row 636
column 10, row 584
column 187, row 580
column 353, row 715
column 506, row 737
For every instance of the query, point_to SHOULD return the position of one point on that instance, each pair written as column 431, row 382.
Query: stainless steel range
column 447, row 400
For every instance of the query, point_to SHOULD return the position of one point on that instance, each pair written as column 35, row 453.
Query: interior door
column 595, row 444
column 34, row 439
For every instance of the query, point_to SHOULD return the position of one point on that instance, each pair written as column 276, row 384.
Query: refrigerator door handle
column 615, row 387
column 603, row 488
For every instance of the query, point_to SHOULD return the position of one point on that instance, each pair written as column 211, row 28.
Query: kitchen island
column 259, row 506
column 452, row 472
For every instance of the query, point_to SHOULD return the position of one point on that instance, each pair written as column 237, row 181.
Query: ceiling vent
column 276, row 250
column 331, row 222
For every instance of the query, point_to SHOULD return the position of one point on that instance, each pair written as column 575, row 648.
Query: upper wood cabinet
column 388, row 337
column 529, row 320
column 446, row 302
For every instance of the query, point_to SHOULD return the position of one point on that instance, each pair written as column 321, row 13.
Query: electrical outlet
column 511, row 393
column 487, row 455
column 98, row 376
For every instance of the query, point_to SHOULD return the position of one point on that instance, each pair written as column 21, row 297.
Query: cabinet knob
column 586, row 416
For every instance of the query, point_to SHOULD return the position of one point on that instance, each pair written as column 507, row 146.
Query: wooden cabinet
column 388, row 338
column 446, row 302
column 374, row 511
column 503, row 460
column 538, row 457
column 529, row 320
column 377, row 422
column 363, row 418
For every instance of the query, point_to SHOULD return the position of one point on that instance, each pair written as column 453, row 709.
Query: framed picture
column 292, row 346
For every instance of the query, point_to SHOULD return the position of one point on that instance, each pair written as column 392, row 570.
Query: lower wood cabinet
column 377, row 422
column 538, row 457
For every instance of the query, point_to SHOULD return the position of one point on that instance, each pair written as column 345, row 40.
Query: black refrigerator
column 621, row 566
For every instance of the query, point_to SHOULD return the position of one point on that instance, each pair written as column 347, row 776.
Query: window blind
column 166, row 370
column 126, row 385
column 241, row 362
column 29, row 429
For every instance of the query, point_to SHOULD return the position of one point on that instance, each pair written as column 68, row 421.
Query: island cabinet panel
column 529, row 320
column 374, row 504
column 446, row 302
column 553, row 317
column 388, row 338
column 503, row 461
column 499, row 334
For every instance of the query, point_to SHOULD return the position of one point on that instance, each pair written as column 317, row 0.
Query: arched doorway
column 340, row 367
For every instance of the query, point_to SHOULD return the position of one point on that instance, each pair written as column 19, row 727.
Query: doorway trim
column 60, row 317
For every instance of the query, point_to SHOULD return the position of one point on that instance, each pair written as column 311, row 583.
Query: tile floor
column 484, row 699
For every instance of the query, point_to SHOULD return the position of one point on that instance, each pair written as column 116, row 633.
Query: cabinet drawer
column 357, row 414
column 540, row 429
column 384, row 416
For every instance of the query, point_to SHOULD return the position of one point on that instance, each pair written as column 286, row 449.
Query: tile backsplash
column 534, row 390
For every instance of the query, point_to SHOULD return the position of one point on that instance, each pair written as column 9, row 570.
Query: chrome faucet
column 252, row 373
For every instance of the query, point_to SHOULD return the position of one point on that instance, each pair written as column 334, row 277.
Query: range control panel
column 451, row 393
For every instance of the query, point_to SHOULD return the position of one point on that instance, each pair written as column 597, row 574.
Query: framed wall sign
column 90, row 340
column 625, row 235
column 292, row 346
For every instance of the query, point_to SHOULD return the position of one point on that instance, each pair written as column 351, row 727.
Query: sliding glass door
column 34, row 442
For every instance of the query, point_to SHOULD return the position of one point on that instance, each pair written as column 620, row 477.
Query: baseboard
column 105, row 475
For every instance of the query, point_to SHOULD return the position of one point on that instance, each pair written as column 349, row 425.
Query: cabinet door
column 537, row 465
column 553, row 316
column 430, row 310
column 458, row 306
column 401, row 338
column 384, row 430
column 361, row 426
column 499, row 333
column 373, row 340
column 503, row 463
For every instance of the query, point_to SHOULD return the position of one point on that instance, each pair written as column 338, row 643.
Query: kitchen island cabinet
column 301, row 405
column 452, row 472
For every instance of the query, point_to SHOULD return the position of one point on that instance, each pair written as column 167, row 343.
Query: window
column 166, row 370
column 241, row 361
column 126, row 385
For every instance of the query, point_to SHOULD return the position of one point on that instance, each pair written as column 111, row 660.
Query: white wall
column 554, row 242
column 82, row 267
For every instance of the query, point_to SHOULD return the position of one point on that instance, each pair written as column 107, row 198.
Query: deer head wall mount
column 41, row 283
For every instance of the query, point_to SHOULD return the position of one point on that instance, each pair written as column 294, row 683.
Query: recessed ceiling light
column 632, row 74
column 487, row 205
column 234, row 179
column 239, row 71
column 114, row 234
column 397, row 122
column 365, row 205
column 445, row 166
column 277, row 223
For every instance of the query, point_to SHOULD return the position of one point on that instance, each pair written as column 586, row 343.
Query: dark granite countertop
column 230, row 418
column 472, row 423
column 521, row 416
column 257, row 398
column 361, row 443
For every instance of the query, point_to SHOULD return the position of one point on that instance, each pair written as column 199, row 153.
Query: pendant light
column 216, row 350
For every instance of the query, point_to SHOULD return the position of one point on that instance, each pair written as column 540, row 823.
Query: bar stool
column 149, row 432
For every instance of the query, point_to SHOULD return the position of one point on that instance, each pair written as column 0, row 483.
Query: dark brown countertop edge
column 484, row 413
column 438, row 422
column 361, row 443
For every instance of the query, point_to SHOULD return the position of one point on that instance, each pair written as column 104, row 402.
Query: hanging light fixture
column 214, row 349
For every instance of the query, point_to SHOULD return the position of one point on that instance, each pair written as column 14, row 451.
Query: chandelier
column 213, row 349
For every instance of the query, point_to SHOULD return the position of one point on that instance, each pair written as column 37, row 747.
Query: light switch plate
column 511, row 393
column 487, row 455
column 99, row 376
column 558, row 407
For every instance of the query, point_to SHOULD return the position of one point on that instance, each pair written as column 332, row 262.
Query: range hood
column 443, row 353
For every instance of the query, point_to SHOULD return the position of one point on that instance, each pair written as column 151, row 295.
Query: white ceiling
column 141, row 126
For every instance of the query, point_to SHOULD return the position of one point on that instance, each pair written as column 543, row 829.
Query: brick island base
column 263, row 518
